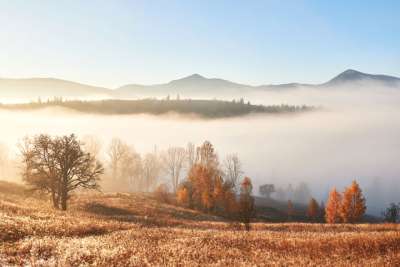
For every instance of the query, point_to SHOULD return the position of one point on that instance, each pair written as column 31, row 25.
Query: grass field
column 136, row 230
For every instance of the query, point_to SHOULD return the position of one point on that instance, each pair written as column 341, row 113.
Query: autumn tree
column 246, row 202
column 333, row 206
column 313, row 209
column 173, row 160
column 182, row 196
column 353, row 204
column 59, row 165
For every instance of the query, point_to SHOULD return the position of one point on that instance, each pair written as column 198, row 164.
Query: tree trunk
column 55, row 200
column 64, row 201
column 64, row 196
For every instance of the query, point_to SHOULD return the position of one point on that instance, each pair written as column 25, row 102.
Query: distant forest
column 203, row 108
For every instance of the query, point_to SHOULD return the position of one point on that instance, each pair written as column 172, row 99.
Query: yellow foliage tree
column 332, row 210
column 353, row 204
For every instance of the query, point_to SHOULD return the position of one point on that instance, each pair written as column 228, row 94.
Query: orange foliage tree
column 332, row 210
column 353, row 204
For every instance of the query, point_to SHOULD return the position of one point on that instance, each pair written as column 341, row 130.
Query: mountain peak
column 351, row 75
column 195, row 76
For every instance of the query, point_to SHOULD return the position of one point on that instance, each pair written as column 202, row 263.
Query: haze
column 355, row 136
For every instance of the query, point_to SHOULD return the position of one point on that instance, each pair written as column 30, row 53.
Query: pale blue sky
column 112, row 43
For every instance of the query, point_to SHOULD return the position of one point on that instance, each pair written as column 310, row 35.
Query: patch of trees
column 348, row 207
column 210, row 189
column 204, row 108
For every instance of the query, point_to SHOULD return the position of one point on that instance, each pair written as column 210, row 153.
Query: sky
column 112, row 43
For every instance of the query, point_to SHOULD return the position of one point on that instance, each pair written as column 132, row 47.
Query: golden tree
column 353, row 204
column 313, row 209
column 332, row 210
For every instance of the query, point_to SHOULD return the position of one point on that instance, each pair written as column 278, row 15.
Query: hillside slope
column 135, row 230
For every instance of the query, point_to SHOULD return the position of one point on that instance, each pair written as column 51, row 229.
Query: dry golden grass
column 135, row 230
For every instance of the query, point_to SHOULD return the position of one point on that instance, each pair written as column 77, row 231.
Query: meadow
column 137, row 230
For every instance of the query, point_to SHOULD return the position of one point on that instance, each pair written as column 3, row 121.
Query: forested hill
column 203, row 108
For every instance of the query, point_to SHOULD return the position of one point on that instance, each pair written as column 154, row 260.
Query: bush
column 182, row 196
column 162, row 193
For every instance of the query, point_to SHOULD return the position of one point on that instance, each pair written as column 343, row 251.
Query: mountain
column 353, row 77
column 193, row 86
column 48, row 87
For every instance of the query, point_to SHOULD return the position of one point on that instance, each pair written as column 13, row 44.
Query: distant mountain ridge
column 351, row 75
column 194, row 85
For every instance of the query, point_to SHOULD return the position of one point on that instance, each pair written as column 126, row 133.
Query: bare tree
column 92, row 145
column 116, row 152
column 59, row 166
column 233, row 170
column 173, row 160
column 131, row 170
column 39, row 166
column 190, row 155
column 151, row 170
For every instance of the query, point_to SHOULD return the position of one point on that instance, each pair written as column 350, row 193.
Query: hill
column 193, row 86
column 202, row 108
column 48, row 87
column 136, row 230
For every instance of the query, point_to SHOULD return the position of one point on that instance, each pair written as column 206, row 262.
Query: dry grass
column 135, row 230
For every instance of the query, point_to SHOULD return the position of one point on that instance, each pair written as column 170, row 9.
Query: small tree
column 353, row 204
column 266, row 190
column 332, row 210
column 392, row 213
column 162, row 194
column 313, row 209
column 246, row 202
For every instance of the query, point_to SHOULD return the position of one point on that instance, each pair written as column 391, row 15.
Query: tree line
column 59, row 165
column 204, row 108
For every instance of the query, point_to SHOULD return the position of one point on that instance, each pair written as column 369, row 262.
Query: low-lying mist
column 355, row 136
